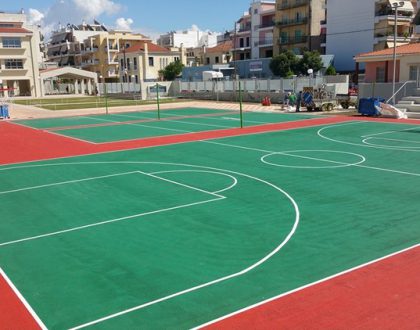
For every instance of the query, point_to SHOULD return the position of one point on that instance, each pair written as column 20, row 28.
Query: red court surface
column 383, row 295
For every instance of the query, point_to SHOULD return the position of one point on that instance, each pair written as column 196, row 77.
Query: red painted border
column 383, row 295
column 13, row 313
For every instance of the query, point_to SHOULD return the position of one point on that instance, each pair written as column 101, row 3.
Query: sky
column 145, row 16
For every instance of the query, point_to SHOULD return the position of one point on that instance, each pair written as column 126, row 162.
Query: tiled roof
column 409, row 49
column 14, row 30
column 224, row 47
column 152, row 48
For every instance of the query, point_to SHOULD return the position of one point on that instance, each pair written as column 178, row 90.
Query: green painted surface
column 349, row 215
column 223, row 119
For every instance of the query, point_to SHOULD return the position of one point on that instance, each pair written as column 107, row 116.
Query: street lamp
column 395, row 6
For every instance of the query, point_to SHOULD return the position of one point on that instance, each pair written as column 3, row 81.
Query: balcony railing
column 292, row 4
column 293, row 40
column 244, row 29
column 265, row 42
column 266, row 25
column 90, row 62
column 290, row 22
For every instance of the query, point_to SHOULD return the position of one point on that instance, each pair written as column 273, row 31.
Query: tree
column 172, row 70
column 330, row 71
column 309, row 60
column 284, row 64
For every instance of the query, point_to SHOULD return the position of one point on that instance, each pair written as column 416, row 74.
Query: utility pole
column 395, row 5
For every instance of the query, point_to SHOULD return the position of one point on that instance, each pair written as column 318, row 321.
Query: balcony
column 401, row 38
column 243, row 29
column 266, row 25
column 90, row 50
column 293, row 40
column 90, row 63
column 264, row 43
column 292, row 4
column 291, row 22
column 112, row 48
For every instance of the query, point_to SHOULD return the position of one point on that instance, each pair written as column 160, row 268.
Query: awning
column 408, row 6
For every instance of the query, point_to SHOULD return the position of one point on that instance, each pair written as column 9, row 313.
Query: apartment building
column 143, row 61
column 100, row 52
column 253, row 37
column 91, row 47
column 66, row 44
column 19, row 56
column 190, row 38
column 221, row 54
column 384, row 23
column 300, row 26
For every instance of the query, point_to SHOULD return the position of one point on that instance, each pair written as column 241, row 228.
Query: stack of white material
column 387, row 110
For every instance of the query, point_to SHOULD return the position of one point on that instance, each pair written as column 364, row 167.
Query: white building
column 361, row 26
column 20, row 56
column 191, row 38
column 344, row 19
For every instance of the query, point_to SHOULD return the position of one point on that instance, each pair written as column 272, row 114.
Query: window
column 414, row 72
column 380, row 74
column 13, row 64
column 255, row 11
column 241, row 42
column 128, row 64
column 207, row 60
column 247, row 41
column 216, row 59
column 11, row 43
column 137, row 79
column 135, row 63
column 122, row 64
column 151, row 61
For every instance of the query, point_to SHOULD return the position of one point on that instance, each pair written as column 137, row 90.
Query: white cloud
column 73, row 11
column 35, row 17
column 95, row 8
column 123, row 23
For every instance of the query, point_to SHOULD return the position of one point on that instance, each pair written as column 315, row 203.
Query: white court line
column 235, row 181
column 55, row 133
column 307, row 286
column 218, row 197
column 320, row 134
column 66, row 182
column 96, row 224
column 237, row 274
column 317, row 159
column 387, row 139
column 182, row 184
column 290, row 153
column 23, row 300
column 184, row 122
column 139, row 125
column 389, row 132
column 69, row 136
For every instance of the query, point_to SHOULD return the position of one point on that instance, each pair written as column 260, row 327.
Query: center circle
column 313, row 159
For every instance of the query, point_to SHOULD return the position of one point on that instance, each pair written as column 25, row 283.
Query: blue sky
column 149, row 17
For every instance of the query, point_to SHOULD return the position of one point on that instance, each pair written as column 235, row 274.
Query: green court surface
column 172, row 237
column 135, row 125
